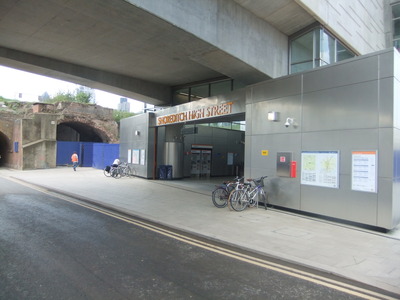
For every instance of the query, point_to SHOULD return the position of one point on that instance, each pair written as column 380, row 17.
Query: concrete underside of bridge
column 141, row 49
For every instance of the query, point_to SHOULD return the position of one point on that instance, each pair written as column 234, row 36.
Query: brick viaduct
column 29, row 132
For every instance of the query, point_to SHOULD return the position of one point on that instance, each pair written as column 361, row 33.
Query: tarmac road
column 50, row 248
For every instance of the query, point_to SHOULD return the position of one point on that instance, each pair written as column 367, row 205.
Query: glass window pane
column 302, row 48
column 327, row 48
column 301, row 67
column 220, row 88
column 239, row 125
column 397, row 44
column 343, row 53
column 396, row 11
column 181, row 96
column 198, row 92
column 396, row 29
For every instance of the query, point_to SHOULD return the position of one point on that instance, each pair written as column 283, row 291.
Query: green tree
column 62, row 97
column 82, row 94
column 118, row 115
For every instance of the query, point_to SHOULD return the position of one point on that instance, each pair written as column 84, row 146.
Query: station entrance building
column 328, row 139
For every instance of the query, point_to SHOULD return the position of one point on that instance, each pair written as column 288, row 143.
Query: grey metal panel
column 283, row 163
column 396, row 105
column 173, row 156
column 344, row 141
column 348, row 72
column 387, row 65
column 395, row 204
column 285, row 106
column 386, row 104
column 385, row 154
column 396, row 154
column 343, row 107
column 281, row 191
column 340, row 203
column 386, row 215
column 346, row 108
column 130, row 140
column 278, row 88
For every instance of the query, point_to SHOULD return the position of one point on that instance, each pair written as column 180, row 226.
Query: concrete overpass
column 141, row 49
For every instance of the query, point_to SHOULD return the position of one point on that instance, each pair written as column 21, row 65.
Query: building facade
column 324, row 128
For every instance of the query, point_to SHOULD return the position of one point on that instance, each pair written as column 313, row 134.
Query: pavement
column 360, row 254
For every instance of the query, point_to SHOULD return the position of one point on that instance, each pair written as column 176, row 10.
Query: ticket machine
column 201, row 161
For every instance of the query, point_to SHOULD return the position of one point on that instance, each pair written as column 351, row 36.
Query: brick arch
column 89, row 122
column 86, row 130
column 4, row 148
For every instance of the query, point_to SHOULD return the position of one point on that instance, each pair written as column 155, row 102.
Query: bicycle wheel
column 239, row 200
column 263, row 198
column 116, row 173
column 106, row 172
column 130, row 172
column 220, row 197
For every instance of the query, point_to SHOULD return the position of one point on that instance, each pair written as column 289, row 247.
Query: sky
column 15, row 83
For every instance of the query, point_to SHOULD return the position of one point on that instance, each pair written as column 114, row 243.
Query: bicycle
column 124, row 169
column 221, row 193
column 108, row 171
column 248, row 194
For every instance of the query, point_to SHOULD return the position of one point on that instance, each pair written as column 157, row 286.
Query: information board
column 320, row 168
column 135, row 156
column 364, row 171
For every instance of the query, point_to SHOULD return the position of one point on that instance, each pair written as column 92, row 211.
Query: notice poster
column 142, row 156
column 363, row 171
column 320, row 168
column 129, row 156
column 230, row 159
column 135, row 156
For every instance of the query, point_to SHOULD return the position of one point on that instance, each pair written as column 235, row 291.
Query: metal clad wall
column 96, row 155
column 104, row 154
column 135, row 134
column 345, row 107
column 86, row 154
column 64, row 152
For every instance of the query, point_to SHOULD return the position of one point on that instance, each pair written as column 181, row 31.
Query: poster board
column 142, row 156
column 320, row 168
column 129, row 156
column 135, row 156
column 229, row 159
column 364, row 171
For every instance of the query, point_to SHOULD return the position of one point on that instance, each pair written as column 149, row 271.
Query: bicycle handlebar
column 257, row 179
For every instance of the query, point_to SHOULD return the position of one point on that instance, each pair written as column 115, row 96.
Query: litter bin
column 162, row 172
column 169, row 171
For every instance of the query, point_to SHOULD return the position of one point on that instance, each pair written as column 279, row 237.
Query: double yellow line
column 320, row 280
column 313, row 278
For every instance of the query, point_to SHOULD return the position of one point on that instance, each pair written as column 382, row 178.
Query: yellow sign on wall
column 264, row 152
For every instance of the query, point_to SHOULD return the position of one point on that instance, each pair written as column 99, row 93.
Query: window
column 302, row 52
column 199, row 91
column 316, row 48
column 181, row 96
column 220, row 88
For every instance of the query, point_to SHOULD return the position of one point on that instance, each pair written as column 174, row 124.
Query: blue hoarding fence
column 96, row 155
